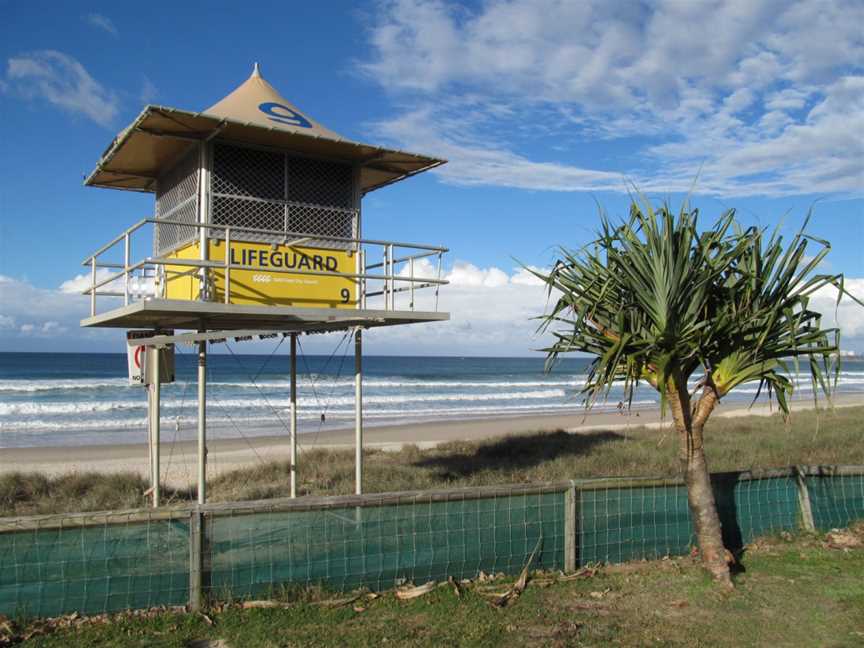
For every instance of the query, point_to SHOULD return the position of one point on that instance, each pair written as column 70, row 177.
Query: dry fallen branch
column 838, row 539
column 408, row 593
column 585, row 572
column 334, row 603
column 269, row 604
column 506, row 598
column 457, row 588
column 253, row 605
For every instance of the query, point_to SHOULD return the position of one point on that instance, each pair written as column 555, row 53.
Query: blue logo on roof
column 283, row 114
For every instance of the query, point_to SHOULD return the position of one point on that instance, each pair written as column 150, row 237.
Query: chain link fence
column 105, row 562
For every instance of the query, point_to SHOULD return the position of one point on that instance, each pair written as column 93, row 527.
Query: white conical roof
column 257, row 102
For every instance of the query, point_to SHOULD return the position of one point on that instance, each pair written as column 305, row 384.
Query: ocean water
column 79, row 399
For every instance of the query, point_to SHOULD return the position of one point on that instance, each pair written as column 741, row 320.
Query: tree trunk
column 700, row 496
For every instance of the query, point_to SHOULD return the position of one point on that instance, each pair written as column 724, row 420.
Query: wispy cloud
column 475, row 160
column 100, row 21
column 60, row 80
column 31, row 312
column 770, row 103
column 149, row 91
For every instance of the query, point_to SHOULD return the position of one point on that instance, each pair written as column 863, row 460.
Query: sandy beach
column 178, row 459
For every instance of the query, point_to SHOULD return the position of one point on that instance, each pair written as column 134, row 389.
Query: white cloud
column 138, row 286
column 491, row 309
column 60, row 80
column 46, row 318
column 769, row 103
column 104, row 23
column 45, row 329
column 149, row 91
column 77, row 284
column 788, row 99
column 847, row 315
column 469, row 275
column 478, row 161
column 492, row 313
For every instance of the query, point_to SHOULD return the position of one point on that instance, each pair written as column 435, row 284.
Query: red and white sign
column 137, row 357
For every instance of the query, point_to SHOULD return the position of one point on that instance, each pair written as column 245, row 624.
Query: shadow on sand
column 516, row 452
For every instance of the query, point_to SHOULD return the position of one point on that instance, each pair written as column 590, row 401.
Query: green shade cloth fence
column 106, row 562
column 381, row 546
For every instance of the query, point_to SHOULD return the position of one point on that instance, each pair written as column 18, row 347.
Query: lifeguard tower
column 257, row 230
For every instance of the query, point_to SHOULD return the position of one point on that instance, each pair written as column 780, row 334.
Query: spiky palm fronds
column 657, row 299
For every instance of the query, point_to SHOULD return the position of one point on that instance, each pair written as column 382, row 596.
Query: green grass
column 732, row 444
column 793, row 592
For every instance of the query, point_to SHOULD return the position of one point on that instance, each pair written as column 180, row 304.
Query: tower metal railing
column 405, row 267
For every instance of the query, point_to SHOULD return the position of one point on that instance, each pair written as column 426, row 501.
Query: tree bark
column 700, row 496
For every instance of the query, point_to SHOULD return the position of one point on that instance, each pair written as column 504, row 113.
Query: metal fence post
column 411, row 272
column 358, row 411
column 391, row 272
column 804, row 499
column 362, row 254
column 126, row 255
column 437, row 286
column 196, row 562
column 93, row 286
column 228, row 265
column 385, row 264
column 570, row 506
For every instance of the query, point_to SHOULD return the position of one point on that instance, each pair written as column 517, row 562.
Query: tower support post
column 293, row 415
column 358, row 410
column 202, row 422
column 150, row 436
column 155, row 387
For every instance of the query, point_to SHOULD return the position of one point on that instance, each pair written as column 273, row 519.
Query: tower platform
column 197, row 315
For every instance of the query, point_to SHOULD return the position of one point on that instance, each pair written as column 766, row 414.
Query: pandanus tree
column 693, row 312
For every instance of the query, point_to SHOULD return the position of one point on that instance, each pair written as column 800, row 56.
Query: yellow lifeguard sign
column 256, row 230
column 267, row 281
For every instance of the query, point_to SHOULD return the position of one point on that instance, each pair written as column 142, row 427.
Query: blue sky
column 543, row 109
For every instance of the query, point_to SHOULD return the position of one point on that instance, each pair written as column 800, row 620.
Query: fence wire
column 651, row 518
column 93, row 563
column 837, row 500
column 381, row 546
column 105, row 562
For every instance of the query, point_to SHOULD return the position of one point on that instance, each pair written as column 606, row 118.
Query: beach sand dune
column 178, row 459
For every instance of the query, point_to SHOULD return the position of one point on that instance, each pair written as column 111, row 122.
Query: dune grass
column 795, row 591
column 826, row 437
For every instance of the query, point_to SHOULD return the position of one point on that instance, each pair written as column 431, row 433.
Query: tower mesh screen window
column 273, row 191
column 177, row 200
column 321, row 199
column 248, row 187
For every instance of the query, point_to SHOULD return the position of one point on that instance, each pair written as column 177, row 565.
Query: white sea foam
column 112, row 409
column 29, row 386
column 34, row 408
column 327, row 382
column 247, row 423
